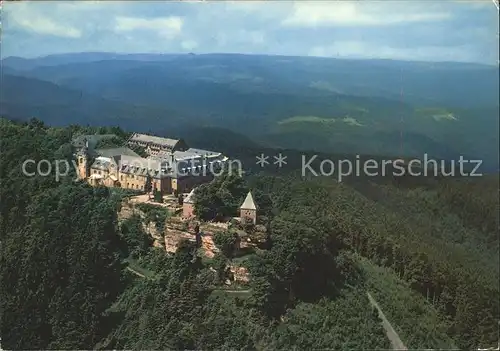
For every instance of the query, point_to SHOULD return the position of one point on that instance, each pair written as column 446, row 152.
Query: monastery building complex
column 171, row 165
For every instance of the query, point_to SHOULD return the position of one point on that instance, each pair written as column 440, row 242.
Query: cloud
column 253, row 36
column 368, row 29
column 482, row 4
column 189, row 45
column 240, row 40
column 34, row 22
column 46, row 26
column 312, row 14
column 167, row 27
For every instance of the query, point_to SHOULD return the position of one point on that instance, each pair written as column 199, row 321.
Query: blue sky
column 430, row 31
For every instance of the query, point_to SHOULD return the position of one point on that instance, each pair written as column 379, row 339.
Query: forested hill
column 329, row 105
column 426, row 249
column 422, row 82
column 55, row 105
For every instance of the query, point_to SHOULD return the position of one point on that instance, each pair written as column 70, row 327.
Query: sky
column 465, row 31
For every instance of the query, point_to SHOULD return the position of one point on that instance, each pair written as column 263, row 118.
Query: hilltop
column 426, row 248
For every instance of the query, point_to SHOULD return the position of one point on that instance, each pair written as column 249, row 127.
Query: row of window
column 128, row 184
column 136, row 186
column 121, row 177
column 151, row 146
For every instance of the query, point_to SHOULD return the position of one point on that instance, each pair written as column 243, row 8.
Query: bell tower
column 248, row 209
column 83, row 159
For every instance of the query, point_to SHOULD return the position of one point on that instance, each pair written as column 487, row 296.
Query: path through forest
column 136, row 273
column 393, row 337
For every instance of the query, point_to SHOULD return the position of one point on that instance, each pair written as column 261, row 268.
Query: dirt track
column 393, row 337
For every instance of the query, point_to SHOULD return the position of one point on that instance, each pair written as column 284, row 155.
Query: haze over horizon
column 411, row 31
column 152, row 55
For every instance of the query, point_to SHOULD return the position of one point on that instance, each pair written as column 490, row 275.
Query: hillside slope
column 23, row 98
column 447, row 83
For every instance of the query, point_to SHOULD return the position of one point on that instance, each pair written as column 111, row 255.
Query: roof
column 131, row 165
column 190, row 198
column 103, row 163
column 141, row 166
column 186, row 168
column 202, row 152
column 190, row 153
column 139, row 161
column 163, row 155
column 185, row 163
column 248, row 204
column 193, row 153
column 144, row 138
column 118, row 151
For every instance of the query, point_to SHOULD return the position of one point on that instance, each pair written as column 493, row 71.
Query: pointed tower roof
column 248, row 204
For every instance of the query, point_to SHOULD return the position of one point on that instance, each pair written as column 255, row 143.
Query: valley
column 445, row 110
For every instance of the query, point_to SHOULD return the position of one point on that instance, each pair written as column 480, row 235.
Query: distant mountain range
column 376, row 106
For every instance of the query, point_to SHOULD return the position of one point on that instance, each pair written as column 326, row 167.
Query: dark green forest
column 425, row 248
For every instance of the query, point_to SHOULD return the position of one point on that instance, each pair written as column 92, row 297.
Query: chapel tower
column 248, row 209
column 82, row 157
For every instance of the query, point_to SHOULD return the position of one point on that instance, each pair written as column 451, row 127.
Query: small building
column 188, row 205
column 248, row 210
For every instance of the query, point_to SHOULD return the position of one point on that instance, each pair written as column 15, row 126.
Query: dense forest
column 426, row 249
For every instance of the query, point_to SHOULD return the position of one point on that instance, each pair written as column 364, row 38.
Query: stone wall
column 251, row 214
column 187, row 210
column 187, row 184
